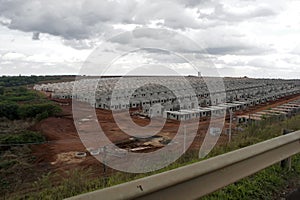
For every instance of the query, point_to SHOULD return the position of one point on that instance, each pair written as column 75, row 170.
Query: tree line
column 13, row 81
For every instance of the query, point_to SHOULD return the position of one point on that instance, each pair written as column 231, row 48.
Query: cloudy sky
column 240, row 37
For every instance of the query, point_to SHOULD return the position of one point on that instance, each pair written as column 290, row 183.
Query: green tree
column 9, row 110
column 31, row 111
column 1, row 90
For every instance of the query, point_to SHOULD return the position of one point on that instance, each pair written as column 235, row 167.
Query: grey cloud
column 36, row 36
column 223, row 40
column 80, row 44
column 260, row 63
column 38, row 68
column 83, row 19
column 194, row 3
column 296, row 50
column 174, row 14
column 234, row 63
column 238, row 50
column 79, row 19
column 156, row 38
column 220, row 13
column 211, row 41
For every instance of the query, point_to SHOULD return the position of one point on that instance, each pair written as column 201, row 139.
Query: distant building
column 171, row 95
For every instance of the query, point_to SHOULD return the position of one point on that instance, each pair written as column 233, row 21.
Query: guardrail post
column 287, row 163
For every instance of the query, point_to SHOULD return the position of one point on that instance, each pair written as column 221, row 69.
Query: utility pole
column 104, row 160
column 184, row 139
column 104, row 165
column 230, row 125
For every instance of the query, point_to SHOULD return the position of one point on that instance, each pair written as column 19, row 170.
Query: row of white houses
column 221, row 109
column 279, row 112
column 171, row 97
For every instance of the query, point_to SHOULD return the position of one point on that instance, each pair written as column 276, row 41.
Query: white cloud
column 13, row 56
column 250, row 37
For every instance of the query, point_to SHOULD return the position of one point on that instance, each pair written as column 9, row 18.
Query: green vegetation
column 268, row 182
column 262, row 185
column 265, row 184
column 20, row 108
column 21, row 103
column 21, row 179
column 16, row 169
column 22, row 138
column 19, row 94
column 40, row 111
column 12, row 81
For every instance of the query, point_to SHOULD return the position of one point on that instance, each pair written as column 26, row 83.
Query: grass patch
column 262, row 185
column 265, row 184
column 16, row 170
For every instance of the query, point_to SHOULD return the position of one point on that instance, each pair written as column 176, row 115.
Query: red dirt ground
column 63, row 141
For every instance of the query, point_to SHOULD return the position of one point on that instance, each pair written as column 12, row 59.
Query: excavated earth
column 58, row 154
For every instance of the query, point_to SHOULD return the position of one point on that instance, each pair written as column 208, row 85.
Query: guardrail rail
column 196, row 180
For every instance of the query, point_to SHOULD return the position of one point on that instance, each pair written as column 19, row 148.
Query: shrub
column 31, row 111
column 9, row 110
column 22, row 138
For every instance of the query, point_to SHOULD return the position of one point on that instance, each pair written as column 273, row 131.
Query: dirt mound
column 68, row 158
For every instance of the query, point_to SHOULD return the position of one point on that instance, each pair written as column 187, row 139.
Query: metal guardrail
column 198, row 179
